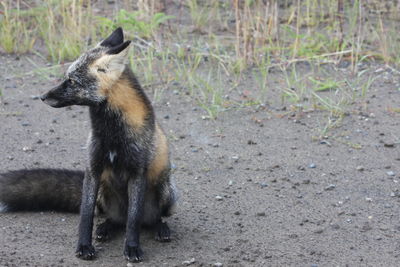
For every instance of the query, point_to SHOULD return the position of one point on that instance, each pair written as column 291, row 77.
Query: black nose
column 43, row 97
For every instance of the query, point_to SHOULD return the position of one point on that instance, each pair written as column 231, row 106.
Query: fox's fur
column 128, row 171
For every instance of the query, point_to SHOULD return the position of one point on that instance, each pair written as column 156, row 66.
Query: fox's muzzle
column 57, row 97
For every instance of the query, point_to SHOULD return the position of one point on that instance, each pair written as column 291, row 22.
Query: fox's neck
column 126, row 106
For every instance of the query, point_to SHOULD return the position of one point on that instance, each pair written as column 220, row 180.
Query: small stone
column 166, row 117
column 251, row 142
column 35, row 97
column 263, row 185
column 391, row 145
column 230, row 183
column 312, row 166
column 360, row 168
column 261, row 214
column 218, row 264
column 330, row 187
column 191, row 261
column 390, row 173
column 27, row 149
column 368, row 199
column 25, row 124
column 319, row 231
column 236, row 213
column 219, row 198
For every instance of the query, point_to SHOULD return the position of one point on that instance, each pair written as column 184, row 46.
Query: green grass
column 213, row 49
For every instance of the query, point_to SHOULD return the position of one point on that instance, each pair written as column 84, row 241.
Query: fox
column 128, row 172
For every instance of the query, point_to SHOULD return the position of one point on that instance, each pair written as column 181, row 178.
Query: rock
column 360, row 168
column 390, row 173
column 261, row 214
column 219, row 198
column 330, row 187
column 319, row 231
column 312, row 166
column 391, row 145
column 251, row 142
column 218, row 264
column 263, row 185
column 189, row 262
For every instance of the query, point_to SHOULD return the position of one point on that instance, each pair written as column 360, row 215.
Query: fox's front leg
column 136, row 192
column 85, row 249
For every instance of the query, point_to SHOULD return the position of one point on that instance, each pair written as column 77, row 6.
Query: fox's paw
column 85, row 252
column 163, row 233
column 103, row 232
column 133, row 253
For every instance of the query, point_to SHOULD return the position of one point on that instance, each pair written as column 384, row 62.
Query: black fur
column 120, row 154
column 41, row 189
column 116, row 38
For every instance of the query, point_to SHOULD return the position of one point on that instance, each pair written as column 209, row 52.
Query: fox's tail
column 41, row 189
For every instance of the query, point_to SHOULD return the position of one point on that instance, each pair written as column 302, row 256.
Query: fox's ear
column 115, row 39
column 119, row 48
column 114, row 60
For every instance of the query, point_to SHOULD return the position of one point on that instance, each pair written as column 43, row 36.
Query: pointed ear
column 118, row 49
column 114, row 60
column 116, row 38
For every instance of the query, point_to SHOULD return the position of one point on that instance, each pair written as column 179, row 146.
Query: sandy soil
column 256, row 190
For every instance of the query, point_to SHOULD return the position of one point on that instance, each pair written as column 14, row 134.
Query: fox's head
column 92, row 74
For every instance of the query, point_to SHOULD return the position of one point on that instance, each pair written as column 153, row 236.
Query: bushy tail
column 41, row 189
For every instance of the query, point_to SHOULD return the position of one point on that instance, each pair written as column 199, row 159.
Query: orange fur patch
column 161, row 158
column 121, row 96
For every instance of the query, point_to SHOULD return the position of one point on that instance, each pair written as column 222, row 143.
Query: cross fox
column 128, row 172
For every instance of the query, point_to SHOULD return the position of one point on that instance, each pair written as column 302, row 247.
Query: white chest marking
column 112, row 155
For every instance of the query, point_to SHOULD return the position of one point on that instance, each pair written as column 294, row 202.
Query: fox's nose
column 43, row 97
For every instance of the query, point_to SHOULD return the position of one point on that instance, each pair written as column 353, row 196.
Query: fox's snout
column 51, row 99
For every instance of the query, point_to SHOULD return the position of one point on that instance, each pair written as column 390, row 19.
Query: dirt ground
column 256, row 189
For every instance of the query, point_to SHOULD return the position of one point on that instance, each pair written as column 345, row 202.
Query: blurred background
column 211, row 49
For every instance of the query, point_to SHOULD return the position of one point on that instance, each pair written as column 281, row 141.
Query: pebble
column 230, row 183
column 25, row 124
column 217, row 264
column 319, row 231
column 390, row 173
column 219, row 198
column 191, row 261
column 263, row 185
column 27, row 149
column 330, row 187
column 35, row 97
column 312, row 166
column 360, row 168
column 261, row 214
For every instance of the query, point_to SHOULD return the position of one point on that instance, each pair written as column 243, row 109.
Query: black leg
column 106, row 229
column 163, row 233
column 136, row 192
column 85, row 249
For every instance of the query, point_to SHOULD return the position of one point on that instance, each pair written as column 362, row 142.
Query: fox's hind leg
column 107, row 229
column 163, row 233
column 168, row 196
